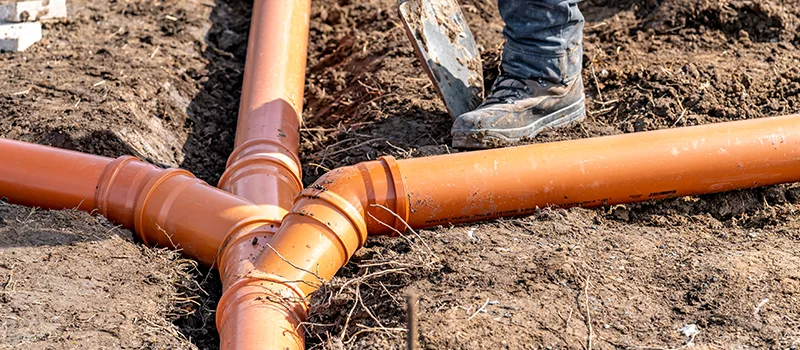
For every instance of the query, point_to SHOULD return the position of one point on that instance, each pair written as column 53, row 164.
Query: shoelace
column 508, row 89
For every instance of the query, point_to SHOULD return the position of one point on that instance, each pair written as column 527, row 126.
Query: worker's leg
column 543, row 39
column 540, row 86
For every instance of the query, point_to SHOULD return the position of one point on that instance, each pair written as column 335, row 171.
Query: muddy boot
column 518, row 110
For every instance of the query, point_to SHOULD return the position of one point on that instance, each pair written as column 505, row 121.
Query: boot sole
column 494, row 138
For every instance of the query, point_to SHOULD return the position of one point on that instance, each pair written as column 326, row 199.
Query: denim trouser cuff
column 543, row 39
column 557, row 67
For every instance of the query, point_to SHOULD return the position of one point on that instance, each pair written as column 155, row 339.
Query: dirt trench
column 161, row 80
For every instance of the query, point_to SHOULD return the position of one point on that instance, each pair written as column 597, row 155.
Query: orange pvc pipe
column 331, row 219
column 265, row 168
column 165, row 207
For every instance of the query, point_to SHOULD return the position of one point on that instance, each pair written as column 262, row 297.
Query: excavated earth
column 161, row 80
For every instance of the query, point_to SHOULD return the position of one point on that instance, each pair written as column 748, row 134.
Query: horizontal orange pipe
column 265, row 169
column 165, row 207
column 331, row 219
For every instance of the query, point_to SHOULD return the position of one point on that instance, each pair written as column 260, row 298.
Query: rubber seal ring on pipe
column 107, row 179
column 144, row 199
column 229, row 239
column 255, row 159
column 401, row 193
column 235, row 154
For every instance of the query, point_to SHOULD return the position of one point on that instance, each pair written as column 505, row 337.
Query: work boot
column 518, row 110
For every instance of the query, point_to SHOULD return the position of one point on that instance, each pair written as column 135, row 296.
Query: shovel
column 447, row 50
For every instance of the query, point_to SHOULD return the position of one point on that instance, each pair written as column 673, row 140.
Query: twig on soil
column 349, row 315
column 369, row 312
column 479, row 310
column 411, row 321
column 598, row 25
column 319, row 166
column 410, row 242
column 758, row 307
column 680, row 117
column 406, row 154
column 22, row 92
column 566, row 323
column 602, row 111
column 155, row 52
column 9, row 283
column 359, row 280
column 384, row 263
column 350, row 148
column 588, row 315
column 169, row 330
column 597, row 83
column 389, row 293
column 119, row 31
column 221, row 52
column 373, row 329
column 407, row 227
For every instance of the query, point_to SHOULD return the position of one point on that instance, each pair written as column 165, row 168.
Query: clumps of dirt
column 625, row 276
column 137, row 78
column 674, row 70
column 160, row 80
column 758, row 21
column 563, row 277
column 68, row 279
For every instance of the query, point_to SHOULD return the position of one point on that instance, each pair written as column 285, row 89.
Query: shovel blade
column 447, row 50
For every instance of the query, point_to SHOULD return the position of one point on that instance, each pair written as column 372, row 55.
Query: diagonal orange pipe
column 331, row 219
column 264, row 168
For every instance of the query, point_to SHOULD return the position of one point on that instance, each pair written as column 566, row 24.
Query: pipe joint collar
column 144, row 203
column 276, row 164
column 267, row 147
column 402, row 209
column 104, row 186
column 289, row 294
column 343, row 207
column 241, row 232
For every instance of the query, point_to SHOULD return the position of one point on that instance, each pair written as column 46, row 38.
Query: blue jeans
column 543, row 39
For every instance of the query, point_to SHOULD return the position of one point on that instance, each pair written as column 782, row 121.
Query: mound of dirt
column 68, row 279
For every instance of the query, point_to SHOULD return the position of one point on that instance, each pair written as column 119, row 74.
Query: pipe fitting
column 336, row 213
column 261, row 312
column 261, row 157
column 170, row 207
column 242, row 244
column 376, row 189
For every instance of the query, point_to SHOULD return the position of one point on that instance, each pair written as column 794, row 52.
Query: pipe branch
column 331, row 219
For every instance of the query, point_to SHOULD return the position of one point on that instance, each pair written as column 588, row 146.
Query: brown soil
column 161, row 80
column 70, row 280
